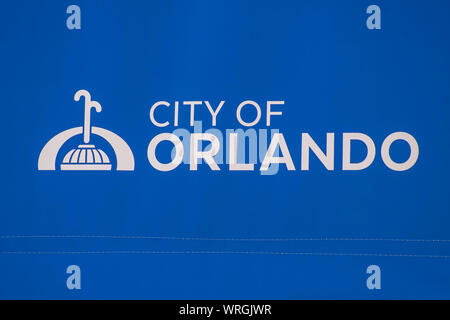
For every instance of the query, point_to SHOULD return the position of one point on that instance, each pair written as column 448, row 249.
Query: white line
column 213, row 239
column 223, row 252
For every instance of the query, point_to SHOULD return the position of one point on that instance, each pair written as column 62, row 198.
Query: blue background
column 335, row 76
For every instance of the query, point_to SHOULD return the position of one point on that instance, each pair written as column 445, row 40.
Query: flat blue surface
column 334, row 75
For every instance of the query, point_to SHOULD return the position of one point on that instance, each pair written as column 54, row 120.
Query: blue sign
column 225, row 150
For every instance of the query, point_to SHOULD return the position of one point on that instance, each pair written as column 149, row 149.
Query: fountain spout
column 88, row 105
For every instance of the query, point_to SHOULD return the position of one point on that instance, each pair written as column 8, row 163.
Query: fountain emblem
column 86, row 156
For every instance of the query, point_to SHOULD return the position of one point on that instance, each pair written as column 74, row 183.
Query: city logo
column 86, row 156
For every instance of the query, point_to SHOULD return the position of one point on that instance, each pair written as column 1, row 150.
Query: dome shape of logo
column 86, row 157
